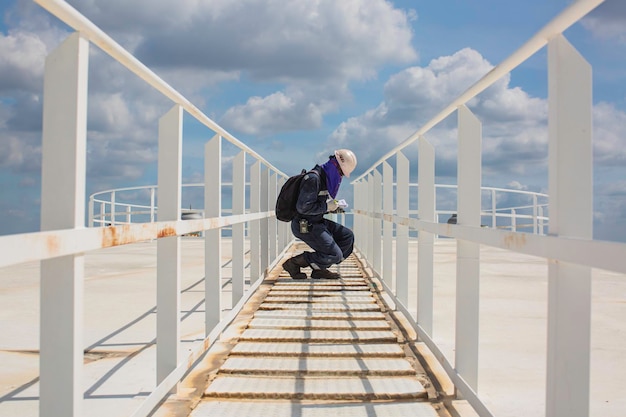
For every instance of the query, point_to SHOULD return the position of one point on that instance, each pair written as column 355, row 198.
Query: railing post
column 370, row 220
column 238, row 239
column 535, row 226
column 377, row 229
column 273, row 227
column 103, row 214
column 283, row 231
column 91, row 210
column 358, row 219
column 468, row 253
column 168, row 248
column 113, row 209
column 494, row 207
column 387, row 225
column 152, row 199
column 513, row 220
column 212, row 237
column 425, row 250
column 571, row 211
column 400, row 284
column 62, row 207
column 265, row 247
column 255, row 226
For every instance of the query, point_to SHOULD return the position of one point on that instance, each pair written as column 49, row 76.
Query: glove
column 331, row 205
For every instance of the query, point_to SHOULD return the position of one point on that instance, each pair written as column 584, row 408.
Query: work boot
column 324, row 274
column 293, row 265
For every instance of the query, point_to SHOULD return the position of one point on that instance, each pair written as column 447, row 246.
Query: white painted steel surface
column 426, row 209
column 62, row 207
column 387, row 224
column 168, row 249
column 402, row 230
column 571, row 212
column 238, row 230
column 255, row 226
column 212, row 238
column 467, row 263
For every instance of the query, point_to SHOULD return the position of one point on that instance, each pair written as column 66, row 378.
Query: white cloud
column 21, row 66
column 609, row 135
column 15, row 153
column 513, row 121
column 608, row 21
column 276, row 112
column 272, row 39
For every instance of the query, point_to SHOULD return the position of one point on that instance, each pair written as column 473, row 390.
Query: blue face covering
column 333, row 177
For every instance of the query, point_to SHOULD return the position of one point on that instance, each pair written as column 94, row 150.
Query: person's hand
column 331, row 205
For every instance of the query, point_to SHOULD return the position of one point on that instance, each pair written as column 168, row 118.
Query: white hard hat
column 347, row 160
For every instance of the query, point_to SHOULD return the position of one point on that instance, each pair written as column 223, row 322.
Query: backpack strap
column 322, row 192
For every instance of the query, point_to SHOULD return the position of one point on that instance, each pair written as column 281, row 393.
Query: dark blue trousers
column 331, row 242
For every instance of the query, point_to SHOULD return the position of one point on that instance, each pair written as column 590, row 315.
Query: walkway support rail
column 569, row 248
column 63, row 240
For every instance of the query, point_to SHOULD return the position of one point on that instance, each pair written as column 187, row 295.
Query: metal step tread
column 339, row 298
column 323, row 288
column 279, row 335
column 318, row 366
column 319, row 315
column 344, row 281
column 318, row 349
column 320, row 306
column 303, row 324
column 338, row 388
column 213, row 408
column 319, row 293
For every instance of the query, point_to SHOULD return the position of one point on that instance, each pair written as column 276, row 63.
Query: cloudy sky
column 296, row 79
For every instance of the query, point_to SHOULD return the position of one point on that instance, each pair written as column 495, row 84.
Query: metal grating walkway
column 317, row 348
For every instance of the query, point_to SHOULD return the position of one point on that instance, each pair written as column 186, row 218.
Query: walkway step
column 320, row 315
column 318, row 366
column 289, row 409
column 317, row 388
column 330, row 350
column 311, row 336
column 322, row 282
column 318, row 299
column 315, row 289
column 304, row 324
column 319, row 307
column 317, row 293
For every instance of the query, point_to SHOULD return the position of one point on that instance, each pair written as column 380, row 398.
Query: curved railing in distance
column 111, row 207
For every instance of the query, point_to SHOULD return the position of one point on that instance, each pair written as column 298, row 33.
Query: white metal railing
column 382, row 205
column 61, row 244
column 107, row 208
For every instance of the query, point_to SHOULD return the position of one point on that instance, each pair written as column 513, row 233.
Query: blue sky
column 296, row 79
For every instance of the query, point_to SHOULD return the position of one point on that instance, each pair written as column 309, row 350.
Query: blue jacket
column 311, row 203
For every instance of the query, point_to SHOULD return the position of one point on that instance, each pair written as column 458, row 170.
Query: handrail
column 105, row 218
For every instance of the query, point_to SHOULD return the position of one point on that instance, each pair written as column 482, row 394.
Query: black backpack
column 288, row 197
